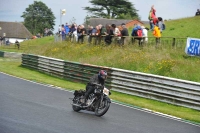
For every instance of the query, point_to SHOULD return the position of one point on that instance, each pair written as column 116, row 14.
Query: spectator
column 63, row 33
column 100, row 33
column 45, row 31
column 34, row 37
column 1, row 40
column 197, row 13
column 66, row 29
column 74, row 32
column 70, row 33
column 91, row 33
column 81, row 33
column 109, row 34
column 38, row 35
column 59, row 29
column 160, row 24
column 124, row 32
column 7, row 42
column 102, row 30
column 97, row 30
column 145, row 34
column 157, row 34
column 137, row 34
column 116, row 33
column 135, row 29
column 152, row 17
column 17, row 44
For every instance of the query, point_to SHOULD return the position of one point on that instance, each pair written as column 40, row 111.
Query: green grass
column 165, row 60
column 181, row 28
column 13, row 67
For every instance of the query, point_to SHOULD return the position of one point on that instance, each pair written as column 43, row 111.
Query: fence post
column 173, row 42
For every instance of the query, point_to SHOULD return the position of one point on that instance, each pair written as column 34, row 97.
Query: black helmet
column 102, row 74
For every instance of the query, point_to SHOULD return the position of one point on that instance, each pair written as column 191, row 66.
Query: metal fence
column 169, row 90
column 126, row 40
column 10, row 54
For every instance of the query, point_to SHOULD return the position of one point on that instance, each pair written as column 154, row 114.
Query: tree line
column 38, row 16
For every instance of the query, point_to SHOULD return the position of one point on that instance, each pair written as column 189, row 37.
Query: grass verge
column 13, row 67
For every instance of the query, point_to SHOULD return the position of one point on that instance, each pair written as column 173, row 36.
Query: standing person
column 109, row 34
column 124, row 32
column 101, row 33
column 45, row 31
column 197, row 13
column 70, row 33
column 66, row 29
column 1, row 40
column 91, row 33
column 17, row 43
column 152, row 17
column 160, row 24
column 145, row 34
column 157, row 34
column 81, row 33
column 137, row 34
column 74, row 32
column 59, row 29
column 63, row 33
column 116, row 33
column 97, row 34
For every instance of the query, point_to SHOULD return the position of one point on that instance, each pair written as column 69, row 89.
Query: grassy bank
column 13, row 67
column 165, row 61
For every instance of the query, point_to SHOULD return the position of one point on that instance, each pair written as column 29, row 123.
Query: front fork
column 99, row 103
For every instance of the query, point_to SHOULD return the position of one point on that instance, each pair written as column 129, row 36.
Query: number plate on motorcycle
column 106, row 91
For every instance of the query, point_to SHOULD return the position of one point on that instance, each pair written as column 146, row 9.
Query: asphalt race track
column 27, row 107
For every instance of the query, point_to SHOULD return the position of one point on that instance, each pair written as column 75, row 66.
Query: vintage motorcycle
column 97, row 102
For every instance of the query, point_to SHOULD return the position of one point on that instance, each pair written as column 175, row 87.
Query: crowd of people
column 107, row 33
column 79, row 32
column 110, row 31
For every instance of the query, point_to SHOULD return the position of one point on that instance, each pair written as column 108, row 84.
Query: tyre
column 76, row 101
column 103, row 108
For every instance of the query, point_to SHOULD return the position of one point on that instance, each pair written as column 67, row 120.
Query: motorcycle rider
column 95, row 79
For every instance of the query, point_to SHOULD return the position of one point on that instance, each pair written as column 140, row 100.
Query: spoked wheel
column 103, row 108
column 76, row 101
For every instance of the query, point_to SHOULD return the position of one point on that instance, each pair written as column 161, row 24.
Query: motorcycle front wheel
column 76, row 101
column 103, row 108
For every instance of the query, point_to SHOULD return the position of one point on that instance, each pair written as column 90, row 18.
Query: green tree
column 112, row 9
column 37, row 17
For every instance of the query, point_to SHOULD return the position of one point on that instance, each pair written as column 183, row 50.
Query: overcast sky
column 11, row 10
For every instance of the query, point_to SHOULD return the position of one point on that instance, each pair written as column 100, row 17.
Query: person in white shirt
column 116, row 33
column 59, row 29
column 145, row 34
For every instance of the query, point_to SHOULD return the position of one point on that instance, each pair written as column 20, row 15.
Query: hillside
column 185, row 27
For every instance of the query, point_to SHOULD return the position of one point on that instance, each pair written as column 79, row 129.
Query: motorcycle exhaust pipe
column 79, row 105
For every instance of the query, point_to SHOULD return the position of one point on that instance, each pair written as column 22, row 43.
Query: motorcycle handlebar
column 97, row 84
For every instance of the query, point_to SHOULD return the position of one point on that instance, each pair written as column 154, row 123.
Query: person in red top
column 152, row 17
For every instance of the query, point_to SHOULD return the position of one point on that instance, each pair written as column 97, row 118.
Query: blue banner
column 193, row 47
